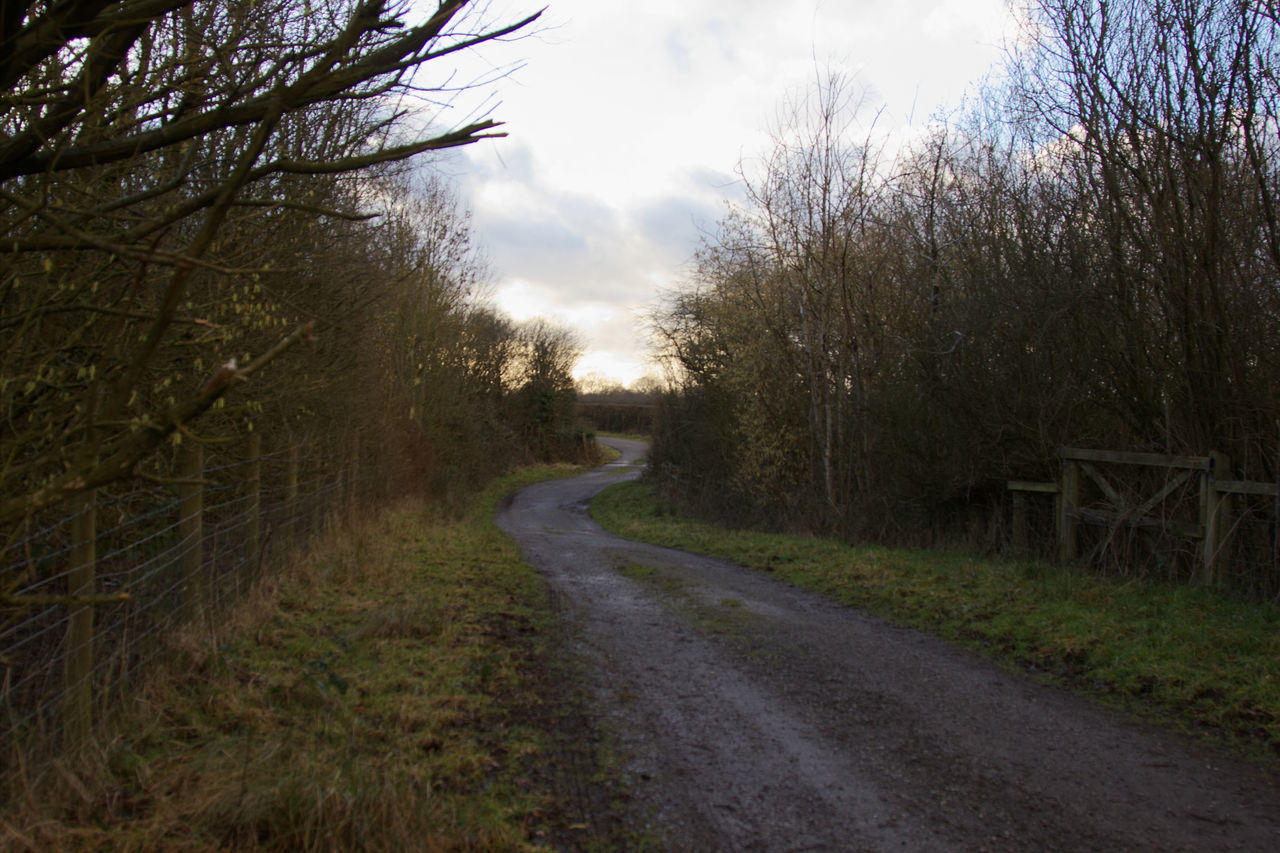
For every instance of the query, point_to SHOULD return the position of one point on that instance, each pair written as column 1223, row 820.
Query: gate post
column 1019, row 522
column 1215, row 512
column 1068, row 500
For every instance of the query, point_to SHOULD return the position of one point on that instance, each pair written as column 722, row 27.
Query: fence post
column 77, row 710
column 1215, row 511
column 253, row 533
column 353, row 476
column 291, row 492
column 190, row 526
column 1068, row 500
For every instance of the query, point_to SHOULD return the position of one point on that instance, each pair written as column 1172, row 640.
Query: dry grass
column 374, row 700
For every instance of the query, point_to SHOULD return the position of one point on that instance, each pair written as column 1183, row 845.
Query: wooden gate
column 1120, row 506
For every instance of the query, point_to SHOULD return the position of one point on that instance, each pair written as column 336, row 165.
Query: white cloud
column 628, row 120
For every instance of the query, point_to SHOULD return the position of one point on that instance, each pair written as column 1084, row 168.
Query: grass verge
column 389, row 695
column 1195, row 659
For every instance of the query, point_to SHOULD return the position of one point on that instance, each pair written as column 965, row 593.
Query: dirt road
column 755, row 716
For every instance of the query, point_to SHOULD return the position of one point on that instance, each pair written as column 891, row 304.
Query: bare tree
column 143, row 146
column 1166, row 108
column 1089, row 255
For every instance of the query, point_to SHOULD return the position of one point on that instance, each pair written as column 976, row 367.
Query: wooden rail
column 1083, row 465
column 1120, row 457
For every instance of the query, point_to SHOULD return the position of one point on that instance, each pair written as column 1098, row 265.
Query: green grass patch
column 1192, row 657
column 630, row 436
column 386, row 696
column 727, row 617
column 638, row 572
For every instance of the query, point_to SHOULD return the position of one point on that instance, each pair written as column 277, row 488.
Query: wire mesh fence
column 92, row 588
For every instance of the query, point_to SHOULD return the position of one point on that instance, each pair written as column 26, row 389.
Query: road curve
column 757, row 716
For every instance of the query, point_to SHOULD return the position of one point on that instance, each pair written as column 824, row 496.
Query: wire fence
column 91, row 589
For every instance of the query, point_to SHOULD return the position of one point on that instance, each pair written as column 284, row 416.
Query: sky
column 628, row 122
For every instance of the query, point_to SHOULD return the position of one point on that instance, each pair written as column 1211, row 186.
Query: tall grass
column 383, row 697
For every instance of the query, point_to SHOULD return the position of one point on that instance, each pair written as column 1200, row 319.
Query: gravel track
column 752, row 715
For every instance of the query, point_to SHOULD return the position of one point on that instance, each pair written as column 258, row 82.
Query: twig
column 119, row 460
column 7, row 600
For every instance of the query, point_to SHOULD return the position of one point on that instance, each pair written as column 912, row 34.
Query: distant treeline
column 1089, row 255
column 618, row 410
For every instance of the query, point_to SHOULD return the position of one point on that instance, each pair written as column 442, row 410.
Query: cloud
column 627, row 122
column 675, row 226
column 541, row 235
column 576, row 258
column 533, row 230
